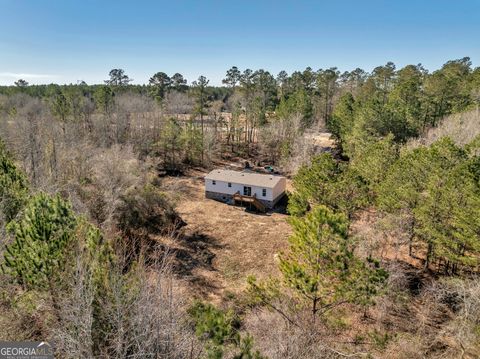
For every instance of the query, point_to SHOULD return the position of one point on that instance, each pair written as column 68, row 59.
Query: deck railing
column 237, row 197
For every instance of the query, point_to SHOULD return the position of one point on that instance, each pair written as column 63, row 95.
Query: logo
column 26, row 350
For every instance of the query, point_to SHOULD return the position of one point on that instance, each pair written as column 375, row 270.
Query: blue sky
column 64, row 41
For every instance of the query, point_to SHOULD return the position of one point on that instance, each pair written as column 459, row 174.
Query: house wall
column 228, row 198
column 222, row 188
column 279, row 189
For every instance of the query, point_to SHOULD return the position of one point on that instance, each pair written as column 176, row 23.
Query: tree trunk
column 428, row 257
column 53, row 297
column 203, row 138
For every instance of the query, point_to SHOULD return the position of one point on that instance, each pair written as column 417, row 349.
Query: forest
column 383, row 252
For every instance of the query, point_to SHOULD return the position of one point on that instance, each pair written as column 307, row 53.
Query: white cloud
column 25, row 76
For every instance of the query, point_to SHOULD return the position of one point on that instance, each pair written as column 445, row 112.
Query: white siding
column 279, row 188
column 222, row 187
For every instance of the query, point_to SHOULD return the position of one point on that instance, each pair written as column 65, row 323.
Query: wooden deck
column 238, row 198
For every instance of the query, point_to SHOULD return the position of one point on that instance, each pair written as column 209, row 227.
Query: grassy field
column 222, row 244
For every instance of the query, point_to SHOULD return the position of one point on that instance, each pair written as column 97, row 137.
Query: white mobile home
column 227, row 185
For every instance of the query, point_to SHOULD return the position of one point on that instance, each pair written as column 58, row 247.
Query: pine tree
column 13, row 186
column 193, row 143
column 219, row 329
column 60, row 107
column 320, row 265
column 298, row 103
column 104, row 99
column 372, row 162
column 447, row 218
column 320, row 270
column 171, row 145
column 215, row 327
column 118, row 77
column 419, row 188
column 342, row 118
column 40, row 239
column 159, row 84
column 202, row 102
column 313, row 182
column 327, row 182
column 314, row 265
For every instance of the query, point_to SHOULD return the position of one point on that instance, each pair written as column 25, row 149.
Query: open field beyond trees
column 110, row 249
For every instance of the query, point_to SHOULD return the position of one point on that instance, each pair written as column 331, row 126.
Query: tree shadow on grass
column 196, row 252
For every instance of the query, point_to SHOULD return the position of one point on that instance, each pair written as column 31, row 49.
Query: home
column 261, row 190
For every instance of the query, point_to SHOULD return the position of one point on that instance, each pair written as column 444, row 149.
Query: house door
column 247, row 191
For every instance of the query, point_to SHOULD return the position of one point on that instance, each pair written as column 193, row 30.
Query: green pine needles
column 13, row 186
column 220, row 331
column 40, row 239
column 320, row 270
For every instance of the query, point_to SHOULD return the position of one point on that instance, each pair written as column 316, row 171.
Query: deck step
column 237, row 197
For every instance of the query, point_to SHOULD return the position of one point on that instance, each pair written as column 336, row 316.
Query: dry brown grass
column 224, row 244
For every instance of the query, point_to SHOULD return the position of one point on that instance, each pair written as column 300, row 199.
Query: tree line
column 82, row 208
column 405, row 102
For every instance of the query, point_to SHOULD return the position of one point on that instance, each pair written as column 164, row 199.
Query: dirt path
column 223, row 244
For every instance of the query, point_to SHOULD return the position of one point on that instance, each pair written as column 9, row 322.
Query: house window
column 214, row 182
column 264, row 192
column 229, row 184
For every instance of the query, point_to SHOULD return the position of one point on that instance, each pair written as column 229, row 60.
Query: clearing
column 221, row 244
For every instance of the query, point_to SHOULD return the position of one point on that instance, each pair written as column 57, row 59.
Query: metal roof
column 249, row 178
